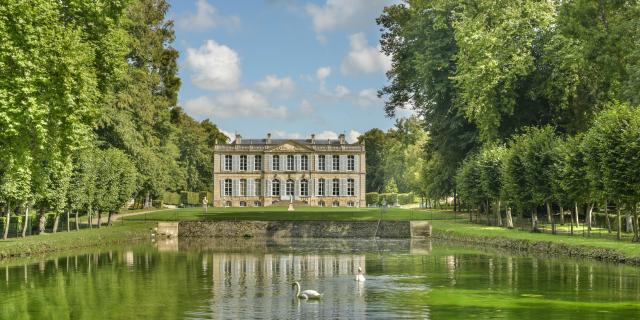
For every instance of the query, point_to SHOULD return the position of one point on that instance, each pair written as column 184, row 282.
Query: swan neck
column 297, row 288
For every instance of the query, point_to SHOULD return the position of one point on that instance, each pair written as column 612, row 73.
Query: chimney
column 268, row 138
column 341, row 138
column 238, row 139
column 313, row 138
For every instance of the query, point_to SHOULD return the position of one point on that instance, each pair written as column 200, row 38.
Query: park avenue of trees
column 88, row 114
column 530, row 106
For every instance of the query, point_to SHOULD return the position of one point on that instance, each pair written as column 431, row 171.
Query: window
column 336, row 187
column 275, row 187
column 243, row 204
column 257, row 204
column 336, row 203
column 228, row 161
column 228, row 187
column 304, row 162
column 321, row 187
column 275, row 166
column 321, row 203
column 289, row 187
column 336, row 163
column 243, row 187
column 304, row 188
column 290, row 162
column 243, row 163
column 351, row 163
column 350, row 204
column 257, row 185
column 351, row 187
column 257, row 163
column 322, row 163
column 227, row 204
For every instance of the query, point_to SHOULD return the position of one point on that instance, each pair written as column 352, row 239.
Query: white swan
column 360, row 276
column 306, row 294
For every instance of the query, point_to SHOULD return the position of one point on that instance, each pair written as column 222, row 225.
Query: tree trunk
column 553, row 219
column 26, row 221
column 68, row 222
column 42, row 220
column 498, row 215
column 549, row 218
column 90, row 217
column 571, row 213
column 561, row 215
column 534, row 220
column 577, row 215
column 147, row 201
column 77, row 222
column 5, row 234
column 487, row 210
column 455, row 200
column 99, row 218
column 629, row 222
column 109, row 218
column 589, row 217
column 56, row 221
column 606, row 215
column 509, row 219
column 636, row 235
column 618, row 217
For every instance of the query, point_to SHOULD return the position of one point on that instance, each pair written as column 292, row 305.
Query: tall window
column 275, row 165
column 243, row 163
column 322, row 163
column 336, row 163
column 351, row 187
column 304, row 162
column 351, row 163
column 336, row 187
column 257, row 184
column 228, row 162
column 275, row 187
column 290, row 162
column 304, row 188
column 228, row 187
column 243, row 187
column 257, row 163
column 289, row 191
column 321, row 187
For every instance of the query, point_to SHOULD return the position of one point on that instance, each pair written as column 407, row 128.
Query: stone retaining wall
column 296, row 229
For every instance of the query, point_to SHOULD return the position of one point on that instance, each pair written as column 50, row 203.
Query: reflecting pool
column 252, row 278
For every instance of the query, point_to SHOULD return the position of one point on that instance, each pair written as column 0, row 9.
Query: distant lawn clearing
column 301, row 213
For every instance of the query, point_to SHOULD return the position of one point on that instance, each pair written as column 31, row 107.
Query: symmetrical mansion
column 264, row 172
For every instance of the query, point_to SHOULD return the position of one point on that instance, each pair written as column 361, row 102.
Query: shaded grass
column 53, row 242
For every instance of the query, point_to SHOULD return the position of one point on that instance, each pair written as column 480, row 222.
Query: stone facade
column 265, row 172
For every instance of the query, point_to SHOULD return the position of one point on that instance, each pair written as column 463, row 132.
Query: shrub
column 390, row 198
column 406, row 198
column 189, row 198
column 171, row 198
column 372, row 198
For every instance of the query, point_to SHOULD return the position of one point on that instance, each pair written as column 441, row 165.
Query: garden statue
column 205, row 203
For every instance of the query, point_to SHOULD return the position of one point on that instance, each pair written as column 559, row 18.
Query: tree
column 490, row 165
column 116, row 181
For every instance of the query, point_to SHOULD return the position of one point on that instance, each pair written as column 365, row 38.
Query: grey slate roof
column 280, row 141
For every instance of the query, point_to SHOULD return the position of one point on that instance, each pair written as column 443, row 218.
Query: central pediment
column 289, row 146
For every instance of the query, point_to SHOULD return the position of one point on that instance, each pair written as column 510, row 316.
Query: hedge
column 372, row 198
column 171, row 198
column 190, row 198
column 406, row 198
column 390, row 198
column 208, row 194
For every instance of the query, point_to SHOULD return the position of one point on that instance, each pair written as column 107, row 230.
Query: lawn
column 302, row 213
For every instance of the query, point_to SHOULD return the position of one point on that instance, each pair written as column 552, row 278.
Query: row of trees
column 479, row 72
column 88, row 109
column 541, row 169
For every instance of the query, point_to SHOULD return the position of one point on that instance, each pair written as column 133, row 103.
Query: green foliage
column 467, row 179
column 372, row 198
column 390, row 186
column 190, row 198
column 172, row 198
column 406, row 198
column 390, row 198
column 116, row 179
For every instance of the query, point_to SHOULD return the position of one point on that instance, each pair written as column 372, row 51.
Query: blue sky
column 287, row 67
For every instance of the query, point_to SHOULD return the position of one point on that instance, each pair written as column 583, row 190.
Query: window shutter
column 316, row 164
column 356, row 188
column 343, row 162
column 222, row 188
column 317, row 186
column 296, row 190
column 343, row 187
column 235, row 159
column 251, row 163
column 266, row 163
column 356, row 163
column 250, row 191
column 269, row 190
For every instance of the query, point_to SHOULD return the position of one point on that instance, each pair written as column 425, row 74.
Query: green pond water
column 251, row 279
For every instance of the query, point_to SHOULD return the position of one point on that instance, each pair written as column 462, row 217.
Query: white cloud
column 353, row 135
column 243, row 103
column 323, row 72
column 341, row 91
column 327, row 134
column 364, row 59
column 206, row 17
column 229, row 135
column 214, row 66
column 286, row 135
column 336, row 14
column 368, row 97
column 306, row 107
column 272, row 83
